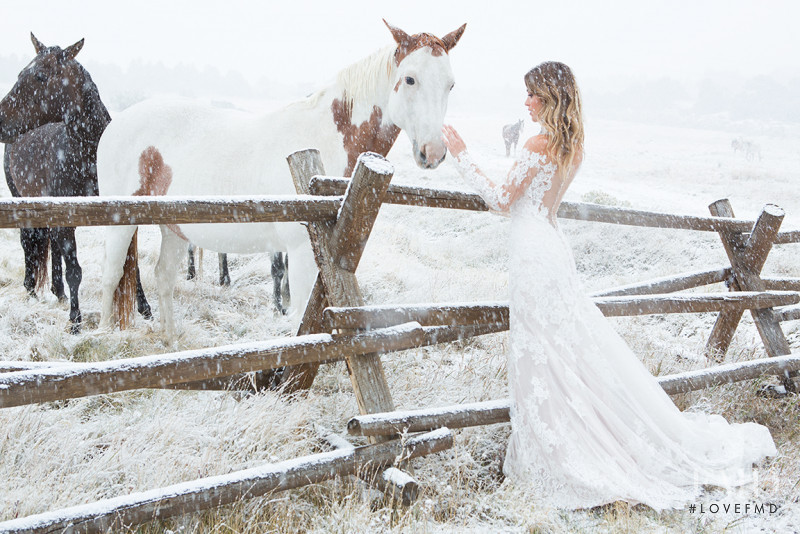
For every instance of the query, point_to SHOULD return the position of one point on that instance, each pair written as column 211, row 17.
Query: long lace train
column 590, row 424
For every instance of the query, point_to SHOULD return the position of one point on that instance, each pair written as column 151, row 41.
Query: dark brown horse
column 51, row 122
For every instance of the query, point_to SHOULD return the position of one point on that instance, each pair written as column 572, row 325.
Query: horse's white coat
column 225, row 152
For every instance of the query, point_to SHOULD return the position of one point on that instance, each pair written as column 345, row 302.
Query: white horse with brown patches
column 180, row 148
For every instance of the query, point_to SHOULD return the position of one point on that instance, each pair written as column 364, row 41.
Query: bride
column 590, row 424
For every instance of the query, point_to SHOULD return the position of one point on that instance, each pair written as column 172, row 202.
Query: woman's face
column 534, row 105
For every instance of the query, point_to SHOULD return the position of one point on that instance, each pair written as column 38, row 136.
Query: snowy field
column 67, row 453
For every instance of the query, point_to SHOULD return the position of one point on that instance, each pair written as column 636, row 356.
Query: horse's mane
column 96, row 116
column 364, row 79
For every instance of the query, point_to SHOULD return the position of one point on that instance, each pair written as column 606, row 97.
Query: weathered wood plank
column 111, row 211
column 671, row 284
column 338, row 248
column 110, row 515
column 649, row 219
column 791, row 313
column 729, row 373
column 706, row 302
column 498, row 411
column 362, row 202
column 442, row 198
column 725, row 326
column 790, row 236
column 757, row 249
column 431, row 335
column 368, row 317
column 781, row 283
column 406, row 195
column 78, row 380
column 393, row 483
column 459, row 416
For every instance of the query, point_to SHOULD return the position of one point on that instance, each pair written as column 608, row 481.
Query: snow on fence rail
column 442, row 198
column 109, row 515
column 109, row 211
column 66, row 380
column 368, row 317
column 497, row 411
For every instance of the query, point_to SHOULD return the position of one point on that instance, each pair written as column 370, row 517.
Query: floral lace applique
column 530, row 178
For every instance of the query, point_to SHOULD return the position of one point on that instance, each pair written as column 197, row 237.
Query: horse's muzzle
column 429, row 157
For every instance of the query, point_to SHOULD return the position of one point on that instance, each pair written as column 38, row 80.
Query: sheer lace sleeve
column 530, row 169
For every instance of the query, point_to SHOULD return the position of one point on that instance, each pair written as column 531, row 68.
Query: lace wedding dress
column 590, row 424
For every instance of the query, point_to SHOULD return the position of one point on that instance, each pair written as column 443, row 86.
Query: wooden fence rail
column 670, row 284
column 442, row 198
column 112, row 211
column 336, row 318
column 111, row 515
column 497, row 411
column 34, row 382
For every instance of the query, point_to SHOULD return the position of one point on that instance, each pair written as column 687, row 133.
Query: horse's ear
column 37, row 45
column 72, row 51
column 452, row 38
column 399, row 35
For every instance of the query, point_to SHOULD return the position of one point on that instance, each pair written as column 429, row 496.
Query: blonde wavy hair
column 562, row 113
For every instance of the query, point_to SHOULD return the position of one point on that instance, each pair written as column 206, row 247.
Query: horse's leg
column 224, row 275
column 190, row 271
column 302, row 273
column 169, row 259
column 279, row 274
column 35, row 245
column 141, row 301
column 56, row 272
column 508, row 148
column 117, row 241
column 64, row 238
column 285, row 293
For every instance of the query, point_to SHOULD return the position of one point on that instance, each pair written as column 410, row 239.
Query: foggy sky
column 608, row 42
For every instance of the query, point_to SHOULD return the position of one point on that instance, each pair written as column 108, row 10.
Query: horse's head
column 49, row 89
column 421, row 85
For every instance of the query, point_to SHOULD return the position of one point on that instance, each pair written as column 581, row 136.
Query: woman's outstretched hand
column 453, row 141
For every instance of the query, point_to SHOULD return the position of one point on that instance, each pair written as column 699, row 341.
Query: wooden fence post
column 338, row 248
column 747, row 258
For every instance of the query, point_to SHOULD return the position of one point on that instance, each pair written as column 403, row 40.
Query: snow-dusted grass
column 68, row 453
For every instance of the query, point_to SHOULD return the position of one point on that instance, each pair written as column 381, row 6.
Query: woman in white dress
column 590, row 424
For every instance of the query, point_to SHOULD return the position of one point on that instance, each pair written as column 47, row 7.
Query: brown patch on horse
column 408, row 43
column 420, row 40
column 155, row 177
column 369, row 136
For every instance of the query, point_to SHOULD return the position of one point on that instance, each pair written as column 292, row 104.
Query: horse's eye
column 410, row 80
column 41, row 77
column 451, row 87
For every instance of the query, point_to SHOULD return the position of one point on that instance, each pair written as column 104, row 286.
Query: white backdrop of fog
column 708, row 63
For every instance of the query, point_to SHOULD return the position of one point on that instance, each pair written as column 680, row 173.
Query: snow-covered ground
column 67, row 453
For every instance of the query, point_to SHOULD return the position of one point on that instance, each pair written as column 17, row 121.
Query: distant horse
column 511, row 135
column 752, row 151
column 52, row 120
column 181, row 148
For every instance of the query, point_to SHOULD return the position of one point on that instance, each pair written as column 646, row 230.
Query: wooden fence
column 338, row 325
